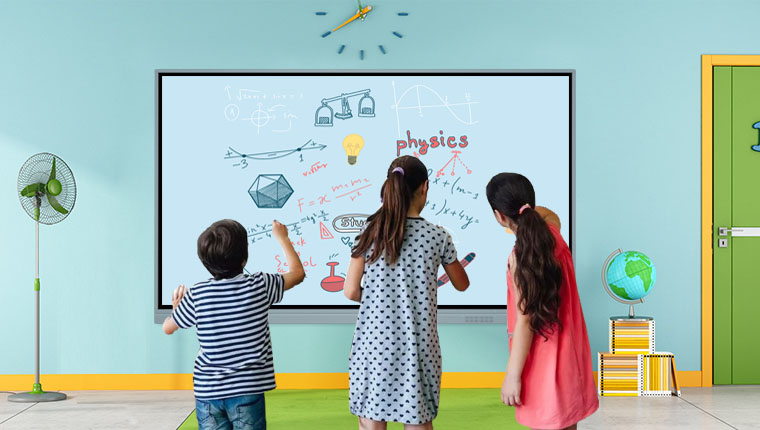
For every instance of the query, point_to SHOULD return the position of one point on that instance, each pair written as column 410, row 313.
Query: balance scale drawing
column 414, row 91
column 324, row 115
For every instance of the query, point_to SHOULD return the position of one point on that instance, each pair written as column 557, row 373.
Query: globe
column 628, row 277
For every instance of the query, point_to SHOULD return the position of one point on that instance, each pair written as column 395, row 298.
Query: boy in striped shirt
column 234, row 366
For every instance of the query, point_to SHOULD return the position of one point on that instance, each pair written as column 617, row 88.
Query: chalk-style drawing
column 231, row 112
column 324, row 115
column 453, row 161
column 261, row 231
column 465, row 261
column 333, row 283
column 247, row 94
column 270, row 191
column 443, row 102
column 452, row 187
column 349, row 223
column 276, row 115
column 233, row 154
column 347, row 241
column 265, row 230
column 324, row 232
column 259, row 118
column 463, row 215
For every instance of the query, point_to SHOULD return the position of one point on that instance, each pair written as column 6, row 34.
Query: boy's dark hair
column 223, row 247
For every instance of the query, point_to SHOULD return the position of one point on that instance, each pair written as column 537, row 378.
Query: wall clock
column 376, row 25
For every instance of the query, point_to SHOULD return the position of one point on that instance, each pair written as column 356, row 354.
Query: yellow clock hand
column 361, row 13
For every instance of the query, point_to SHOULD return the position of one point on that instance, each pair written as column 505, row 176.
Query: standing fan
column 47, row 191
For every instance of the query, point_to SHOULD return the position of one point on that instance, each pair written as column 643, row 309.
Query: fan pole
column 37, row 388
column 37, row 395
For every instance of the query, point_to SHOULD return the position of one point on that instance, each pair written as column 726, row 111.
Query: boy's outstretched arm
column 295, row 274
column 170, row 326
column 457, row 275
column 352, row 287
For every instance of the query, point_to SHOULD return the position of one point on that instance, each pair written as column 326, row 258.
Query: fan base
column 34, row 397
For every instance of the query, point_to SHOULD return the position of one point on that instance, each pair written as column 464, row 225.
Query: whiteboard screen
column 261, row 146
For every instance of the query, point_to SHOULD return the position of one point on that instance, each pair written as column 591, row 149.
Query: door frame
column 708, row 62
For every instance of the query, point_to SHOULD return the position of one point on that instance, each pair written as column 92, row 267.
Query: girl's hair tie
column 522, row 209
column 398, row 169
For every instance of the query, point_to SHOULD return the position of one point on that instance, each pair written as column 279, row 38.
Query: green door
column 736, row 208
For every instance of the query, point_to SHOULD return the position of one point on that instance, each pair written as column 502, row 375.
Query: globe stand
column 631, row 314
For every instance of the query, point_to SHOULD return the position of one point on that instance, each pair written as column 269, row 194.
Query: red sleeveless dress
column 558, row 388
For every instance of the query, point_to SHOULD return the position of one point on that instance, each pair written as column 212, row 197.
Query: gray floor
column 736, row 407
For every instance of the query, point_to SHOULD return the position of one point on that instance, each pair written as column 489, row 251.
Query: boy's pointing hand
column 279, row 230
column 177, row 295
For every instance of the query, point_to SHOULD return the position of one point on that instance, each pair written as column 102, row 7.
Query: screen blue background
column 511, row 123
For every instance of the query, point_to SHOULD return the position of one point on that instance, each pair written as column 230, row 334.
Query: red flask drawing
column 333, row 283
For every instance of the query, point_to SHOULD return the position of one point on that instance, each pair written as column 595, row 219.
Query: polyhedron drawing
column 270, row 191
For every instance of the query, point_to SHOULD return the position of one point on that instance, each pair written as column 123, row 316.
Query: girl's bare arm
column 352, row 287
column 457, row 275
column 522, row 338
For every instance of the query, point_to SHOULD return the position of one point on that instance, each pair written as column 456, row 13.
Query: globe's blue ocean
column 631, row 275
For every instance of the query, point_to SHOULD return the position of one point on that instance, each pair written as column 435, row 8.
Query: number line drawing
column 444, row 103
column 272, row 155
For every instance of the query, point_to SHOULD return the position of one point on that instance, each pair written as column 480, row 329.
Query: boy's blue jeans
column 238, row 413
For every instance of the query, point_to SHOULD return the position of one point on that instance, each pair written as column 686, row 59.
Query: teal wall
column 76, row 79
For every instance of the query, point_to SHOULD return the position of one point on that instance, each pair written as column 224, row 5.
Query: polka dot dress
column 395, row 362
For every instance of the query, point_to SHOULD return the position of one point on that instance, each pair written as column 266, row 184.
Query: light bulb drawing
column 353, row 144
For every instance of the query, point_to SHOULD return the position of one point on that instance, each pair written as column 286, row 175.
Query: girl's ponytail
column 385, row 229
column 537, row 274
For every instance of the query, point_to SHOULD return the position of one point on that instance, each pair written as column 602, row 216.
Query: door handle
column 739, row 231
column 757, row 147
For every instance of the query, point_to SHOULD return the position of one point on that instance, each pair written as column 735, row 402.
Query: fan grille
column 37, row 170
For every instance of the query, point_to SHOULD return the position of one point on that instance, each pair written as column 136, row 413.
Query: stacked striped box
column 649, row 375
column 632, row 367
column 632, row 337
column 618, row 374
column 657, row 375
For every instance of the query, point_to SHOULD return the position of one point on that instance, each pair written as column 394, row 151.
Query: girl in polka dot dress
column 549, row 378
column 395, row 362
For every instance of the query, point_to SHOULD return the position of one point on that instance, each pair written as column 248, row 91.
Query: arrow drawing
column 273, row 155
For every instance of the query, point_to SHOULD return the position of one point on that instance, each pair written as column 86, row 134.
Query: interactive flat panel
column 312, row 151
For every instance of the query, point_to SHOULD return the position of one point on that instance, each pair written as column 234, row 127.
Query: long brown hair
column 537, row 274
column 385, row 229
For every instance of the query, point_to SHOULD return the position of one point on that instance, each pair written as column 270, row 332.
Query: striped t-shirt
column 231, row 318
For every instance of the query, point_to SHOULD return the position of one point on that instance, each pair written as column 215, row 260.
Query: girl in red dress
column 549, row 378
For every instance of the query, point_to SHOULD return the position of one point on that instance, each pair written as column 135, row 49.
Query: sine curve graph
column 414, row 90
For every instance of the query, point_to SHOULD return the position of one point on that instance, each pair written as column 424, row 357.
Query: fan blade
column 32, row 190
column 52, row 171
column 57, row 206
